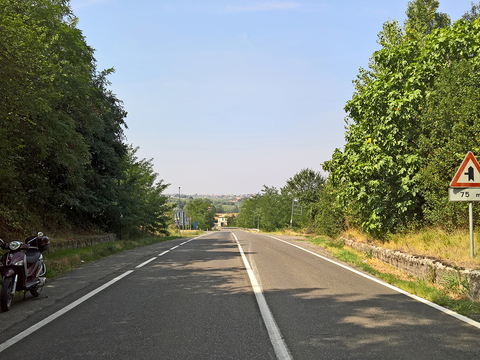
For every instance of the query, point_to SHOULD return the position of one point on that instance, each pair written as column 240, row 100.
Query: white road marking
column 418, row 298
column 67, row 308
column 59, row 313
column 276, row 338
column 145, row 263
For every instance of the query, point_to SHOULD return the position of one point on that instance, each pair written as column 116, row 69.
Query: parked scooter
column 22, row 268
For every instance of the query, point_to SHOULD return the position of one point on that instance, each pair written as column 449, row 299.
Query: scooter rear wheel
column 6, row 296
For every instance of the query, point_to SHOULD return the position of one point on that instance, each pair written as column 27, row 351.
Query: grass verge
column 453, row 298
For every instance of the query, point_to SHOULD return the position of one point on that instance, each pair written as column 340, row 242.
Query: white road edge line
column 276, row 338
column 145, row 263
column 59, row 313
column 418, row 298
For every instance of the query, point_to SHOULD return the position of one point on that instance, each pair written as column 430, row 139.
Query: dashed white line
column 74, row 304
column 145, row 263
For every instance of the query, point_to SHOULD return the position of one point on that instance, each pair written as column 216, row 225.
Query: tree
column 202, row 211
column 422, row 18
column 46, row 67
column 141, row 206
column 473, row 14
column 377, row 175
column 450, row 128
column 305, row 185
column 63, row 160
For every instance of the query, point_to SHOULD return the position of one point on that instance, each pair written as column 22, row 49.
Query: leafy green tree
column 63, row 160
column 248, row 212
column 142, row 205
column 232, row 221
column 271, row 209
column 45, row 60
column 473, row 14
column 305, row 185
column 377, row 176
column 202, row 211
column 329, row 218
column 450, row 128
column 422, row 18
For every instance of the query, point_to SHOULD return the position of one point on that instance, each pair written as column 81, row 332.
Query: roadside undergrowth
column 63, row 260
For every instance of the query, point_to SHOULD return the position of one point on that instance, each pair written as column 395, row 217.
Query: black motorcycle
column 22, row 268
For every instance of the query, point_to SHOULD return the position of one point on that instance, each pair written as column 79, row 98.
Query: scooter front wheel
column 6, row 296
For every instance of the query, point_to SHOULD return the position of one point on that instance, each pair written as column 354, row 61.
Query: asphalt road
column 194, row 300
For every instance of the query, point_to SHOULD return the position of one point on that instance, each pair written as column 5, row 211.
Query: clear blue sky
column 229, row 95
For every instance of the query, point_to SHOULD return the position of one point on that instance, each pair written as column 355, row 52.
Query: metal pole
column 470, row 213
column 291, row 217
column 179, row 210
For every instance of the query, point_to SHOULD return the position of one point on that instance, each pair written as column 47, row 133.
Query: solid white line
column 59, row 313
column 163, row 253
column 145, row 263
column 418, row 298
column 173, row 248
column 276, row 338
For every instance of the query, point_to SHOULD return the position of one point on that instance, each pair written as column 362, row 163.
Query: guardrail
column 82, row 241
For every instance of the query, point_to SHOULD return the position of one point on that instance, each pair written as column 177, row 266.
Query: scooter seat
column 32, row 256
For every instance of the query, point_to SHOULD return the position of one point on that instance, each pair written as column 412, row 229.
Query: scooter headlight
column 14, row 245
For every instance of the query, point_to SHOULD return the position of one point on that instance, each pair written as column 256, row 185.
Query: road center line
column 418, row 298
column 67, row 308
column 276, row 338
column 59, row 313
column 145, row 263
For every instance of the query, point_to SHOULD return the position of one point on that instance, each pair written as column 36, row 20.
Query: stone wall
column 82, row 241
column 422, row 268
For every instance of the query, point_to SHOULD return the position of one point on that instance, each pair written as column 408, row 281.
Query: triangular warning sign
column 468, row 174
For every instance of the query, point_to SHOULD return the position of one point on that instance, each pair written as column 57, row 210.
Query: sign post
column 465, row 186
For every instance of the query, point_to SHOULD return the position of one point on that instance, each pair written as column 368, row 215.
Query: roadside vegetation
column 413, row 117
column 65, row 165
column 62, row 260
column 452, row 294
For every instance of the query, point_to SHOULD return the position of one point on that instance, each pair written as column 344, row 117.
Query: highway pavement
column 229, row 295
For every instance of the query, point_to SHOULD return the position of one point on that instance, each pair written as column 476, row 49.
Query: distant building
column 220, row 221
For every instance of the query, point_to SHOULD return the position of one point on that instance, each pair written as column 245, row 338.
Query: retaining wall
column 81, row 242
column 420, row 267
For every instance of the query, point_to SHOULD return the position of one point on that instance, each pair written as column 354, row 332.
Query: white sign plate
column 464, row 194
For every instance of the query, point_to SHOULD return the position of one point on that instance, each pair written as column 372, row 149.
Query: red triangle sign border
column 461, row 169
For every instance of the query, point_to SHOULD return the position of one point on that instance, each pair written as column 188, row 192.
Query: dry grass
column 452, row 248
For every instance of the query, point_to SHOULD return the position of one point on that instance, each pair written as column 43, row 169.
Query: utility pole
column 179, row 210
